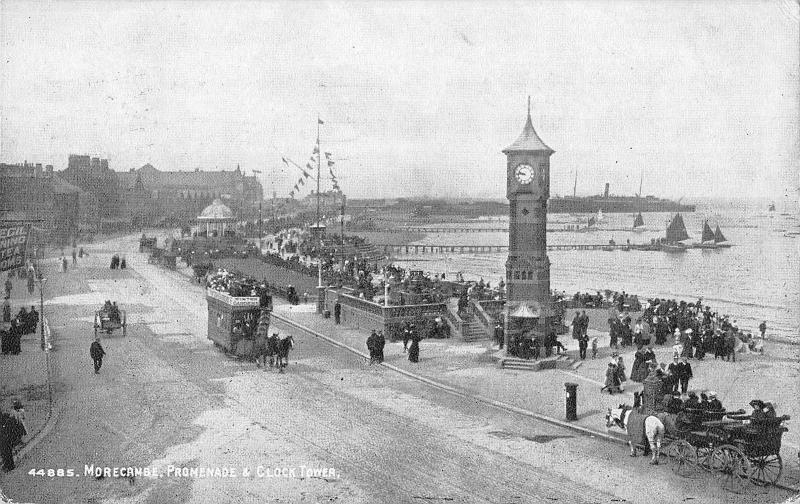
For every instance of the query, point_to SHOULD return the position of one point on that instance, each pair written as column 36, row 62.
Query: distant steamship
column 608, row 203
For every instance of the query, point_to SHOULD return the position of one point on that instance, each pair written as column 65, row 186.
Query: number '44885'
column 52, row 473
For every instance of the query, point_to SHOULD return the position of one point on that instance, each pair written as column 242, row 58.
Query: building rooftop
column 528, row 140
column 216, row 211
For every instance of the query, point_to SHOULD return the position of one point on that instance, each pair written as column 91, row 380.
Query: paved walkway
column 24, row 376
column 469, row 367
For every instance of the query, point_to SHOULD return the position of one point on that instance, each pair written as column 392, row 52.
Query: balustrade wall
column 365, row 314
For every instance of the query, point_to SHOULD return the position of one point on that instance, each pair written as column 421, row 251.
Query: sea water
column 758, row 279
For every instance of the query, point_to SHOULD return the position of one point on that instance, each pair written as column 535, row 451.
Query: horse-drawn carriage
column 736, row 450
column 146, row 244
column 736, row 447
column 108, row 320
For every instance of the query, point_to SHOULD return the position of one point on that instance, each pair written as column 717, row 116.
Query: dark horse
column 266, row 347
column 282, row 352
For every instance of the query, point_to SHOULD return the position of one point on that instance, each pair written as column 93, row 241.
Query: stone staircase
column 473, row 330
column 562, row 361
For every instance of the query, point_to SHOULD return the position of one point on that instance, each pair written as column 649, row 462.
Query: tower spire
column 529, row 106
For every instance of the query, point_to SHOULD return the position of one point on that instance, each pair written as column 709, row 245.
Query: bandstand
column 216, row 217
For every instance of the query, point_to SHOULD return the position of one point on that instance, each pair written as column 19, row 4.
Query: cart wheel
column 704, row 459
column 732, row 466
column 684, row 457
column 766, row 470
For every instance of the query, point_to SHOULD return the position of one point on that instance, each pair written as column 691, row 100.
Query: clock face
column 524, row 173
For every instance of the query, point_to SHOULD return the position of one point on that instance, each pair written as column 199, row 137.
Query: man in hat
column 684, row 374
column 693, row 402
column 96, row 352
column 714, row 404
column 380, row 343
column 673, row 374
column 18, row 413
column 371, row 346
column 8, row 431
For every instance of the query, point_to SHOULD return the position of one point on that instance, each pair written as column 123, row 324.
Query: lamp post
column 42, row 282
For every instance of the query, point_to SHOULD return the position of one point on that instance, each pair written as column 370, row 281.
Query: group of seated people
column 529, row 346
column 27, row 320
column 112, row 312
column 24, row 323
column 706, row 407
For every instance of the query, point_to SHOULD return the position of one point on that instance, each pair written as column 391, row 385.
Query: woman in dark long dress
column 639, row 371
column 413, row 350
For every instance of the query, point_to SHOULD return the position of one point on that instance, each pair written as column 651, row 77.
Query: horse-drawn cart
column 738, row 452
column 108, row 321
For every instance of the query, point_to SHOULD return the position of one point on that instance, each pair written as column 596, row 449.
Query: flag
column 312, row 158
column 291, row 194
column 301, row 182
column 296, row 188
column 331, row 163
column 319, row 121
column 306, row 174
column 316, row 150
column 328, row 155
column 308, row 165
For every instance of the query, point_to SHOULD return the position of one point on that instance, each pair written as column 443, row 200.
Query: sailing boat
column 638, row 223
column 720, row 240
column 707, row 240
column 676, row 233
column 772, row 207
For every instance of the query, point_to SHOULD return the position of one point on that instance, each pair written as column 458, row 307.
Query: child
column 594, row 347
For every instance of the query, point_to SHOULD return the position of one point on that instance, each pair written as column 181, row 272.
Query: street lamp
column 42, row 282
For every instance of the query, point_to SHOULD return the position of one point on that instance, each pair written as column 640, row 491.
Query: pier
column 391, row 249
column 442, row 230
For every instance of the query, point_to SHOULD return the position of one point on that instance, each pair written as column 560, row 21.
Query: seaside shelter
column 216, row 216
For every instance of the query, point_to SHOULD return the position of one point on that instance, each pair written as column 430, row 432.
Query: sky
column 695, row 99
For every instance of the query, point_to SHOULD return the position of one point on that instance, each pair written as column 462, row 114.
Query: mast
column 641, row 178
column 575, row 187
column 319, row 234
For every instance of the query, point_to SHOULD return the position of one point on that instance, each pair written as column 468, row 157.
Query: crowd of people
column 25, row 322
column 111, row 310
column 118, row 262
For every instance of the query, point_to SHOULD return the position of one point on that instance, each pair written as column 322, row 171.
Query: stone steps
column 473, row 331
column 554, row 362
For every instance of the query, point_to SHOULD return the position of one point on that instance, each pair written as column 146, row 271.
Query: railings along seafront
column 383, row 316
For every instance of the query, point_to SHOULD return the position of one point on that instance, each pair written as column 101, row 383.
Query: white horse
column 638, row 426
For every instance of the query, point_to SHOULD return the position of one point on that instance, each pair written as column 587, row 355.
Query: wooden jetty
column 403, row 249
column 444, row 230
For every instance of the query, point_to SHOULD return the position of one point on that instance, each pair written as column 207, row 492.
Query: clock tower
column 527, row 267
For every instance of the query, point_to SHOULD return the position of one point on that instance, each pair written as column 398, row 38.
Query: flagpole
column 319, row 231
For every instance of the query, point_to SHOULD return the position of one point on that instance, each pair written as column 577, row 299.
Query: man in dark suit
column 684, row 374
column 96, row 352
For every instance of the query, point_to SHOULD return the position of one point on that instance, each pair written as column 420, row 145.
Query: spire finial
column 529, row 105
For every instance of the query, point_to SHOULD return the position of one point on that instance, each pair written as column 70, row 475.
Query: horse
column 282, row 352
column 265, row 347
column 638, row 427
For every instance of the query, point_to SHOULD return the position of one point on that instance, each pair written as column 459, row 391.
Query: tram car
column 236, row 322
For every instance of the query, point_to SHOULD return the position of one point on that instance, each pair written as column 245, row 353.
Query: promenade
column 471, row 369
column 25, row 376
